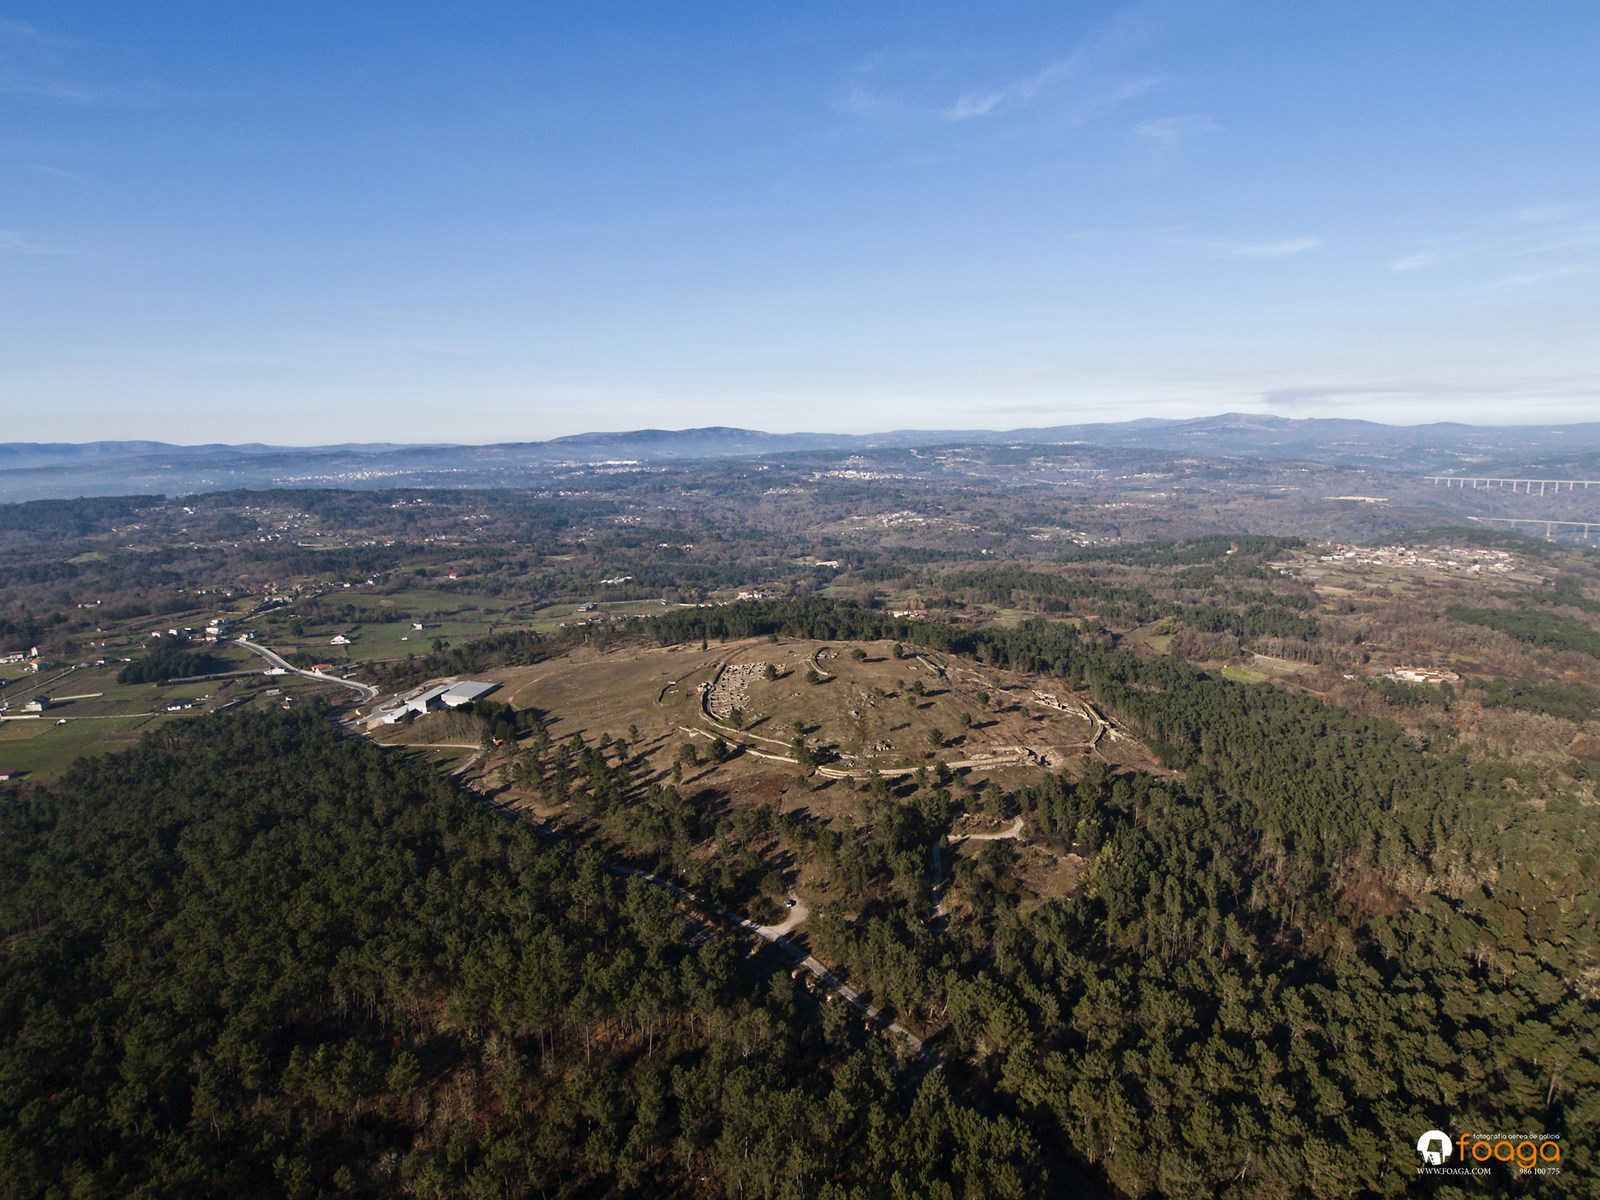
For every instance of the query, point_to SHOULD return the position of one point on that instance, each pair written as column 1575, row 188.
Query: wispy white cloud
column 15, row 34
column 1576, row 243
column 1539, row 213
column 53, row 172
column 1088, row 104
column 1378, row 400
column 1089, row 79
column 1181, row 238
column 36, row 65
column 1529, row 278
column 12, row 242
column 1165, row 134
column 62, row 91
column 981, row 104
column 1323, row 396
column 1096, row 57
column 1104, row 101
column 1282, row 248
column 1417, row 260
column 864, row 102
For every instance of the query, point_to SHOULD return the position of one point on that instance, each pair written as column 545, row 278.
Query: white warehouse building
column 423, row 700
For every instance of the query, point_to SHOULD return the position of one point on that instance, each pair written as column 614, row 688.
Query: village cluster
column 1474, row 561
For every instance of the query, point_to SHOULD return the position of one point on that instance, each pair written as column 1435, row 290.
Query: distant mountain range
column 31, row 471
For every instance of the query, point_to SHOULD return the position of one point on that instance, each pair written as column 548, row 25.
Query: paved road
column 366, row 693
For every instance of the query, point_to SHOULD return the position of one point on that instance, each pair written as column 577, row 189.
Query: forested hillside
column 1318, row 940
column 255, row 958
column 1301, row 946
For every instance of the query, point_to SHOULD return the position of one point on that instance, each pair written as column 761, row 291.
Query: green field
column 552, row 616
column 95, row 692
column 1278, row 667
column 115, row 720
column 44, row 748
column 379, row 640
column 91, row 713
column 444, row 616
column 1012, row 617
column 1157, row 635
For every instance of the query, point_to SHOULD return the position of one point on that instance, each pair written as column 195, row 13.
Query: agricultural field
column 90, row 712
column 45, row 747
column 383, row 627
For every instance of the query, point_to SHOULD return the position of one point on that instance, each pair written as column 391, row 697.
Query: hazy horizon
column 901, row 432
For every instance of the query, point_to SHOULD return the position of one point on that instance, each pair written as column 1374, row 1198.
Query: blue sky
column 301, row 223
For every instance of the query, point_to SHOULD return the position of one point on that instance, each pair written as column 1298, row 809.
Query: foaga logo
column 1434, row 1147
column 1523, row 1152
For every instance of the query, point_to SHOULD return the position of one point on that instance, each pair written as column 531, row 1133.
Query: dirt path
column 460, row 772
column 937, row 890
column 1003, row 835
column 733, row 736
column 777, row 936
